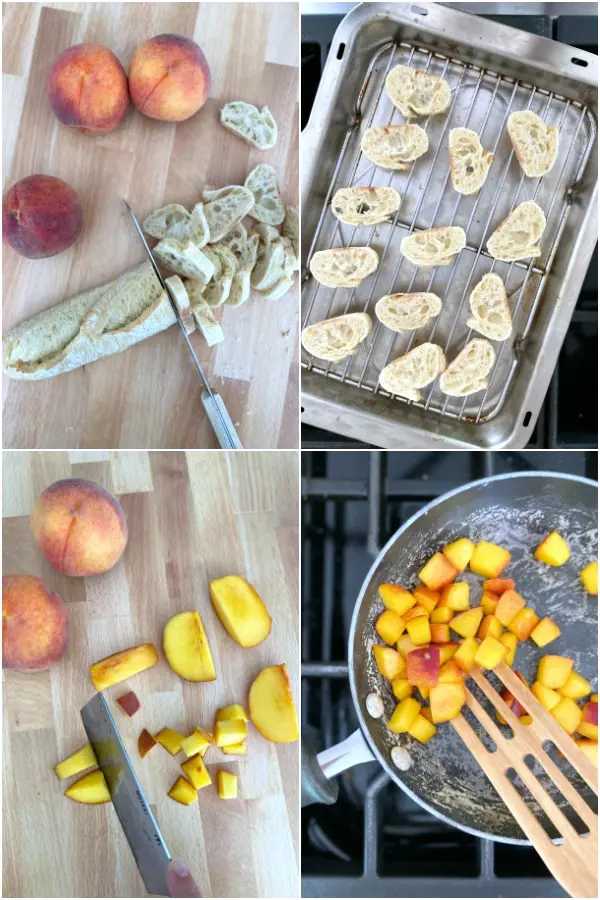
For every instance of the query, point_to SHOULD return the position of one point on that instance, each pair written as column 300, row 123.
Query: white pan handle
column 318, row 770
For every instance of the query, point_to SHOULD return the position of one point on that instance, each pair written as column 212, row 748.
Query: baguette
column 335, row 339
column 365, row 205
column 344, row 266
column 468, row 373
column 435, row 246
column 218, row 289
column 405, row 312
column 270, row 258
column 184, row 258
column 491, row 312
column 535, row 143
column 516, row 236
column 174, row 221
column 244, row 249
column 417, row 93
column 257, row 128
column 97, row 323
column 394, row 146
column 268, row 205
column 414, row 370
column 225, row 207
column 469, row 162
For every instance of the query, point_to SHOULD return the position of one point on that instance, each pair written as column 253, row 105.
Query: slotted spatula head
column 574, row 861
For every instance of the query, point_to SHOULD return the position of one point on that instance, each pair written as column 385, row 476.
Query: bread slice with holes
column 335, row 339
column 516, row 237
column 291, row 230
column 244, row 248
column 174, row 221
column 435, row 246
column 270, row 258
column 344, row 266
column 489, row 306
column 183, row 258
column 416, row 369
column 394, row 146
column 405, row 312
column 469, row 162
column 182, row 302
column 535, row 143
column 257, row 127
column 268, row 205
column 208, row 326
column 218, row 289
column 365, row 205
column 416, row 93
column 225, row 207
column 468, row 373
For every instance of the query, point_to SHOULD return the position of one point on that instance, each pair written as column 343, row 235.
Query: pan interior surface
column 516, row 511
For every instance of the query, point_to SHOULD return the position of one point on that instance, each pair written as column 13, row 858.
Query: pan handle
column 317, row 770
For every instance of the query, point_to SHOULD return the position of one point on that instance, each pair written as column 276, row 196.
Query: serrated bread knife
column 140, row 827
column 215, row 408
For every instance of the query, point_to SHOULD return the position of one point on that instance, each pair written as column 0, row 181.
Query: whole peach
column 35, row 624
column 79, row 527
column 41, row 216
column 169, row 78
column 87, row 89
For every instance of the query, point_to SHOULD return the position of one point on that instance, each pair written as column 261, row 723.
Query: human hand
column 179, row 881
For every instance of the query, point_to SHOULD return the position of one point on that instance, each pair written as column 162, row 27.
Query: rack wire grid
column 482, row 100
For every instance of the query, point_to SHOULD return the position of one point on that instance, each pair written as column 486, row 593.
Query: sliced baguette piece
column 168, row 221
column 516, row 236
column 365, row 205
column 257, row 127
column 268, row 205
column 182, row 302
column 184, row 258
column 244, row 248
column 491, row 312
column 225, row 207
column 469, row 162
column 278, row 290
column 218, row 289
column 468, row 373
column 435, row 246
column 335, row 339
column 344, row 266
column 417, row 93
column 97, row 323
column 240, row 289
column 207, row 324
column 198, row 230
column 394, row 146
column 270, row 258
column 405, row 312
column 416, row 369
column 535, row 143
column 291, row 230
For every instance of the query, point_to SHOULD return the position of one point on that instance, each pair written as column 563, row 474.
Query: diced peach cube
column 490, row 653
column 416, row 611
column 445, row 701
column 438, row 572
column 389, row 626
column 426, row 713
column 545, row 631
column 489, row 602
column 588, row 727
column 459, row 553
column 404, row 716
column 389, row 662
column 523, row 623
column 440, row 634
column 489, row 560
column 145, row 743
column 489, row 625
column 401, row 688
column 423, row 666
column 441, row 615
column 422, row 729
column 498, row 585
column 576, row 687
column 450, row 673
column 553, row 671
column 129, row 703
column 467, row 623
column 456, row 596
column 405, row 645
column 170, row 740
column 589, row 576
column 425, row 597
column 509, row 605
column 419, row 631
column 424, row 691
column 396, row 598
column 554, row 550
column 590, row 748
column 547, row 697
column 567, row 714
column 447, row 651
column 465, row 655
column 510, row 641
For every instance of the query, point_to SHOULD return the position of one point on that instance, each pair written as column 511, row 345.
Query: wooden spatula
column 574, row 862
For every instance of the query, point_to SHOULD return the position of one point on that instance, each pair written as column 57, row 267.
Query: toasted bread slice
column 184, row 258
column 435, row 246
column 491, row 312
column 344, row 266
column 535, row 143
column 468, row 373
column 226, row 207
column 335, row 339
column 417, row 93
column 365, row 205
column 291, row 230
column 469, row 162
column 394, row 146
column 405, row 312
column 257, row 127
column 516, row 236
column 268, row 205
column 414, row 370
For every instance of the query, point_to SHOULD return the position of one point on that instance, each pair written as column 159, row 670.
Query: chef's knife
column 215, row 408
column 140, row 827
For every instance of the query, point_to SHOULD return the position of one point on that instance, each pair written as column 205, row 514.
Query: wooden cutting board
column 192, row 517
column 149, row 396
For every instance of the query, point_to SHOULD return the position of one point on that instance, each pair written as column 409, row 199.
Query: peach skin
column 41, row 216
column 79, row 527
column 87, row 89
column 169, row 78
column 35, row 624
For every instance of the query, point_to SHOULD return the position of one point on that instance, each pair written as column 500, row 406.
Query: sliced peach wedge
column 85, row 758
column 271, row 705
column 91, row 788
column 113, row 669
column 241, row 610
column 187, row 649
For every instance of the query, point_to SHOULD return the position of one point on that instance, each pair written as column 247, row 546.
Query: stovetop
column 375, row 841
column 568, row 418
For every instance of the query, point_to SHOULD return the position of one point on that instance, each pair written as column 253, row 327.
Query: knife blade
column 215, row 408
column 140, row 827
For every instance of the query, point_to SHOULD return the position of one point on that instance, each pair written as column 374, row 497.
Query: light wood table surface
column 149, row 396
column 192, row 517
